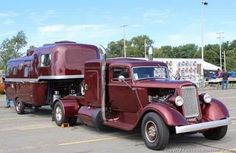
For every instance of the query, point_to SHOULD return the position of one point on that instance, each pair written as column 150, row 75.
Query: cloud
column 158, row 16
column 8, row 14
column 83, row 33
column 71, row 28
column 52, row 28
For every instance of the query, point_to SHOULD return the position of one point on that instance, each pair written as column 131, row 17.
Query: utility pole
column 203, row 3
column 145, row 48
column 220, row 37
column 124, row 26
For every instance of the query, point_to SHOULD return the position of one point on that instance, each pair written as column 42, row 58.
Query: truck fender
column 170, row 116
column 97, row 119
column 215, row 110
column 70, row 107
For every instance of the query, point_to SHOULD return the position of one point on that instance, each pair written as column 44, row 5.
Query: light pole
column 124, row 26
column 203, row 3
column 145, row 48
column 220, row 41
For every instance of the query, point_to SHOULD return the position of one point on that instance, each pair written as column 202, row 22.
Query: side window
column 8, row 71
column 45, row 60
column 14, row 70
column 26, row 71
column 116, row 72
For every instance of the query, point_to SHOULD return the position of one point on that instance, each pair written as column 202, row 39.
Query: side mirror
column 121, row 78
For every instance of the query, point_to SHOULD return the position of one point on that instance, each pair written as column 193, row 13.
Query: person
column 225, row 76
column 8, row 103
column 177, row 75
column 219, row 73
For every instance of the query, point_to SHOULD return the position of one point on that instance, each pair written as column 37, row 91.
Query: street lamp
column 220, row 41
column 124, row 26
column 203, row 3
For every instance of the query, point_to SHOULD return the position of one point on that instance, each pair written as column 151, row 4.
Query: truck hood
column 161, row 83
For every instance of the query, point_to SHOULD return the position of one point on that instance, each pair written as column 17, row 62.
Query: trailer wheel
column 59, row 114
column 154, row 131
column 19, row 106
column 216, row 133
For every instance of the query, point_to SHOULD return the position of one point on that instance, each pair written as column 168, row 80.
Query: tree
column 10, row 48
column 115, row 49
column 137, row 48
column 134, row 47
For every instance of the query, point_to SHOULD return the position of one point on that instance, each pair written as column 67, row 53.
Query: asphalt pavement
column 34, row 132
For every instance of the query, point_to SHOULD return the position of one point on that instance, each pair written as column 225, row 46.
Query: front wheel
column 216, row 133
column 59, row 114
column 154, row 131
column 19, row 106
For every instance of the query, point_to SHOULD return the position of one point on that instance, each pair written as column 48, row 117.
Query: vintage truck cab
column 128, row 93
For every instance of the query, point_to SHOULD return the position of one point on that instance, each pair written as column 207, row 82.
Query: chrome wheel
column 151, row 131
column 19, row 106
column 58, row 114
column 154, row 131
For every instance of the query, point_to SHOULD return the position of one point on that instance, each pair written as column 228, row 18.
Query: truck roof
column 131, row 62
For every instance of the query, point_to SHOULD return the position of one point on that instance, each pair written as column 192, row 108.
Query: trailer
column 48, row 73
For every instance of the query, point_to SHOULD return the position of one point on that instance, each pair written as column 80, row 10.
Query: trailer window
column 8, row 71
column 26, row 71
column 14, row 70
column 45, row 60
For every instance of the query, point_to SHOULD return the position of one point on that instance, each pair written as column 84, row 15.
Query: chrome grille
column 191, row 105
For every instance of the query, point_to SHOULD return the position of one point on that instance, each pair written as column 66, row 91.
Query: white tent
column 209, row 66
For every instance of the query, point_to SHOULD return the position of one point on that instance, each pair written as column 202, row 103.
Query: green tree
column 137, row 48
column 115, row 49
column 212, row 54
column 10, row 48
column 163, row 52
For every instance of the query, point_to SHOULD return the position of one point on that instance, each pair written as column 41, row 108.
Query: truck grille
column 191, row 105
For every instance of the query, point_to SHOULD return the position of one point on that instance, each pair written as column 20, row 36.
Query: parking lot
column 34, row 132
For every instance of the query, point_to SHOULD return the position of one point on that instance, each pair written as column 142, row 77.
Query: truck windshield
column 150, row 72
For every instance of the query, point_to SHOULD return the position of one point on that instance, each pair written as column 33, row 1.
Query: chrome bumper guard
column 202, row 126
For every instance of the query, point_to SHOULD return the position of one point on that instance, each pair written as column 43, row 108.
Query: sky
column 166, row 22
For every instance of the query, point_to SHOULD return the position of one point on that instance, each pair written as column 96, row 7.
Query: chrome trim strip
column 57, row 77
column 34, row 80
column 21, row 80
column 202, row 126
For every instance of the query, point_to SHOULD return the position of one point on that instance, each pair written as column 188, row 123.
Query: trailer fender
column 170, row 116
column 215, row 110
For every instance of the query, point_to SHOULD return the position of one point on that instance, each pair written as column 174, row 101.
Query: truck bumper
column 202, row 126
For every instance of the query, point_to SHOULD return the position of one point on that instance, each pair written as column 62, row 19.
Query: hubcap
column 18, row 105
column 58, row 114
column 151, row 131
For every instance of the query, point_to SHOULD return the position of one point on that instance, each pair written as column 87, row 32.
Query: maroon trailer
column 128, row 93
column 48, row 73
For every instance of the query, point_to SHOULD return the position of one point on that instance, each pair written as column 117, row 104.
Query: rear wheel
column 154, row 131
column 216, row 133
column 19, row 106
column 59, row 115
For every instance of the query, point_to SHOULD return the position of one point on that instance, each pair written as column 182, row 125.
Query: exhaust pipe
column 103, row 87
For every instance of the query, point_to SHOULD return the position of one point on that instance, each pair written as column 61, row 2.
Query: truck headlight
column 207, row 98
column 179, row 101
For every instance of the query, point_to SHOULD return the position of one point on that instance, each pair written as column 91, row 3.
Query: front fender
column 215, row 110
column 170, row 115
column 70, row 106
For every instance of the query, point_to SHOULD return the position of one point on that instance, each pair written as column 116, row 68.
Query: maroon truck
column 127, row 93
column 81, row 85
